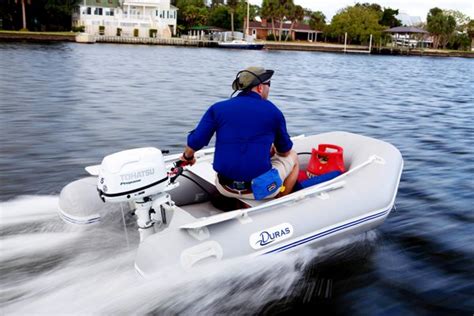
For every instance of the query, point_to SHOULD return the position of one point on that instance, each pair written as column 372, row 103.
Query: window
column 88, row 11
column 98, row 11
column 167, row 14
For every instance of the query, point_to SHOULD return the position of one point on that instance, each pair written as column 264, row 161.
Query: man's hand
column 272, row 151
column 188, row 157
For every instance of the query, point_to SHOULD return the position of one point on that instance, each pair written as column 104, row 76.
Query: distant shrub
column 78, row 29
column 271, row 37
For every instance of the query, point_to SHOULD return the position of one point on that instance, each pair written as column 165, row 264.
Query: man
column 251, row 140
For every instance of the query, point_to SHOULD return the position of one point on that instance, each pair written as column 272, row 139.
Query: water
column 65, row 106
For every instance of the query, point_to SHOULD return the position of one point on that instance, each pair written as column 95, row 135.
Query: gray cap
column 251, row 77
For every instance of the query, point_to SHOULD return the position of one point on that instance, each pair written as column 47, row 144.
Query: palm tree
column 296, row 15
column 232, row 4
column 283, row 10
column 269, row 12
column 23, row 12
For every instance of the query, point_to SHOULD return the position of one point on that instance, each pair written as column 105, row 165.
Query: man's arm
column 199, row 137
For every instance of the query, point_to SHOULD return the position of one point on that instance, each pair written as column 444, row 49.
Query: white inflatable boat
column 179, row 224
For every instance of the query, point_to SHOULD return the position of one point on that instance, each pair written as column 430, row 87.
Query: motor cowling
column 132, row 174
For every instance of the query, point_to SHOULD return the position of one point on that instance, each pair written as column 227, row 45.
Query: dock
column 155, row 41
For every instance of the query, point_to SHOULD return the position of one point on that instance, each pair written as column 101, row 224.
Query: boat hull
column 363, row 203
column 241, row 46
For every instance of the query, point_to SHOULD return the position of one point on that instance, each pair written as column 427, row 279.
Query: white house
column 143, row 18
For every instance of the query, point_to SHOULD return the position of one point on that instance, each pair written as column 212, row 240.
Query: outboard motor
column 138, row 176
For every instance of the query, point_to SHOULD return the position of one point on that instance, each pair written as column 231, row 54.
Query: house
column 144, row 18
column 263, row 29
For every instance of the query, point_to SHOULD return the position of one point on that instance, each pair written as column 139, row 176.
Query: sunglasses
column 266, row 83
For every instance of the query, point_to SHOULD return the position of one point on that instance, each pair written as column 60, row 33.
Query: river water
column 65, row 106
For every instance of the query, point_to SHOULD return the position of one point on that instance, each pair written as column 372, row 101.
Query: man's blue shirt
column 246, row 127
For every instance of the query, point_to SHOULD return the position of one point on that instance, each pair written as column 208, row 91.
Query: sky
column 411, row 7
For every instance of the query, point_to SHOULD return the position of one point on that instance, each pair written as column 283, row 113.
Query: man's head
column 256, row 79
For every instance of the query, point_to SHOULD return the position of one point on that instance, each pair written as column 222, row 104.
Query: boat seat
column 204, row 170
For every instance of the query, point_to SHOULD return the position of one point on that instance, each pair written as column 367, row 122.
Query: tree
column 441, row 26
column 23, row 13
column 295, row 15
column 470, row 31
column 317, row 21
column 241, row 13
column 284, row 10
column 232, row 4
column 192, row 12
column 215, row 3
column 219, row 16
column 389, row 18
column 36, row 15
column 371, row 6
column 358, row 21
column 462, row 20
column 269, row 12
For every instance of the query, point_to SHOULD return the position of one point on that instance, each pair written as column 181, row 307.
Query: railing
column 152, row 41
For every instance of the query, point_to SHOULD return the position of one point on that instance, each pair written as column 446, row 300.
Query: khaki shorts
column 284, row 166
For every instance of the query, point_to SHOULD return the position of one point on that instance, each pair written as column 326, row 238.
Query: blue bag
column 316, row 180
column 266, row 184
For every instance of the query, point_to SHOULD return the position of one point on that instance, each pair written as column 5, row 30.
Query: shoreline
column 15, row 36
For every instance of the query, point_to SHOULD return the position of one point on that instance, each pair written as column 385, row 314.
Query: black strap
column 236, row 185
column 102, row 193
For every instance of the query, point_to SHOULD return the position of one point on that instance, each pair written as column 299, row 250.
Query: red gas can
column 326, row 158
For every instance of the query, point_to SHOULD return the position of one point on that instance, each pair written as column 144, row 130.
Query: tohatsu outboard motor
column 132, row 174
column 138, row 176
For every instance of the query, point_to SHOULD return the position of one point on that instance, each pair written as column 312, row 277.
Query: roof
column 406, row 29
column 298, row 27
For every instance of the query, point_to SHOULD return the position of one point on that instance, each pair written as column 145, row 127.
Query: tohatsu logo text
column 137, row 176
column 271, row 235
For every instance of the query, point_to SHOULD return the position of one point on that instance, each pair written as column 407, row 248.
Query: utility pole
column 248, row 16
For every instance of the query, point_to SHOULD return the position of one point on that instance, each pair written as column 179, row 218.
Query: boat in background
column 241, row 44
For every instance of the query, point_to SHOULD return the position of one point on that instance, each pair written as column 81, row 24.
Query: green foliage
column 78, row 29
column 276, row 11
column 358, row 21
column 389, row 18
column 271, row 37
column 371, row 6
column 241, row 13
column 41, row 15
column 441, row 26
column 470, row 29
column 219, row 16
column 295, row 14
column 317, row 21
column 192, row 12
column 462, row 20
column 460, row 41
